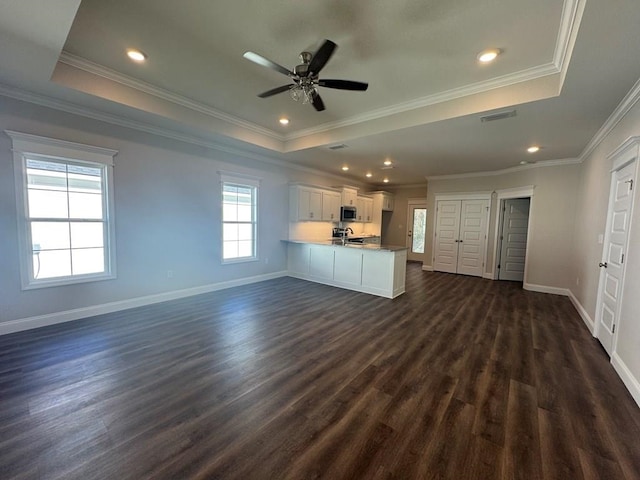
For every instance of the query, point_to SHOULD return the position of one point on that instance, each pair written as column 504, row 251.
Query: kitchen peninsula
column 369, row 268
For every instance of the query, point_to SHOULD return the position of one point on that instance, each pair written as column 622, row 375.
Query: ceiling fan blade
column 321, row 57
column 275, row 91
column 317, row 102
column 344, row 84
column 265, row 62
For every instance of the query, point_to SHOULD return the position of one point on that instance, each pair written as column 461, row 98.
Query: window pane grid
column 239, row 224
column 66, row 214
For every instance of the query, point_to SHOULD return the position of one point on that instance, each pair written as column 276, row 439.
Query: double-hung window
column 65, row 211
column 239, row 218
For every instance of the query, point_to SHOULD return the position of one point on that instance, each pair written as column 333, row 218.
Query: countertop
column 362, row 246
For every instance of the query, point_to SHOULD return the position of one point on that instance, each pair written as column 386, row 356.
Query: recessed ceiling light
column 386, row 180
column 369, row 175
column 345, row 168
column 136, row 55
column 533, row 149
column 524, row 162
column 387, row 162
column 488, row 55
column 284, row 121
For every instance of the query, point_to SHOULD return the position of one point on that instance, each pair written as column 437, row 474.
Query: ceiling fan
column 305, row 76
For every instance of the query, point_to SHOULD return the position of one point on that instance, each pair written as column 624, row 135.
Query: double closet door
column 460, row 236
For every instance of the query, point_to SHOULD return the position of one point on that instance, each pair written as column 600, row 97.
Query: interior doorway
column 512, row 235
column 416, row 230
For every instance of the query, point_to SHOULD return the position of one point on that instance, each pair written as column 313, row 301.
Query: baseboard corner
column 631, row 382
column 546, row 289
column 588, row 321
column 427, row 268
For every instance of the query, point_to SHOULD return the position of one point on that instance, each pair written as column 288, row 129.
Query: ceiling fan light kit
column 305, row 76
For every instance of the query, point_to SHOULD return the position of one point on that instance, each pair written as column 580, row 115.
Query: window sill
column 231, row 261
column 59, row 282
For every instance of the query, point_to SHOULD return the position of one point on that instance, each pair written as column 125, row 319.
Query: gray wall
column 167, row 207
column 394, row 226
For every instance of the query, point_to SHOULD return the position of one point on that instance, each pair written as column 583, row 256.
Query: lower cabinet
column 378, row 272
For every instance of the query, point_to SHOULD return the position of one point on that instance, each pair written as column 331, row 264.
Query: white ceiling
column 565, row 66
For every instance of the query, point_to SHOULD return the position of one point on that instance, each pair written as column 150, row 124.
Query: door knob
column 603, row 264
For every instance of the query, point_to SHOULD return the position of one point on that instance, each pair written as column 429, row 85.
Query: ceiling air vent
column 337, row 147
column 498, row 116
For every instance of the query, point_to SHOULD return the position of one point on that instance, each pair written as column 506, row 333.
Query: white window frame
column 240, row 180
column 26, row 146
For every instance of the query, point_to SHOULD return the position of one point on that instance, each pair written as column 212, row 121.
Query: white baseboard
column 427, row 268
column 588, row 321
column 488, row 275
column 546, row 289
column 631, row 382
column 29, row 323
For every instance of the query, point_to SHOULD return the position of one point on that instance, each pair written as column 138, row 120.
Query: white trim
column 569, row 25
column 504, row 194
column 29, row 323
column 427, row 268
column 532, row 287
column 631, row 382
column 488, row 275
column 240, row 178
column 492, row 173
column 625, row 153
column 618, row 114
column 463, row 196
column 588, row 321
column 104, row 72
column 74, row 109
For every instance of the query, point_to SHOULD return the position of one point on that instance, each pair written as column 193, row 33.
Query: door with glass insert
column 416, row 230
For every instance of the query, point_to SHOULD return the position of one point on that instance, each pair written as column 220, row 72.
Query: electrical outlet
column 169, row 273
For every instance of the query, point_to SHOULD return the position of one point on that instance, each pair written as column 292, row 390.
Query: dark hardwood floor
column 459, row 378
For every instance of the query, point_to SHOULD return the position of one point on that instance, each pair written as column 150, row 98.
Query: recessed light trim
column 533, row 149
column 284, row 121
column 387, row 162
column 489, row 55
column 369, row 175
column 386, row 180
column 345, row 168
column 136, row 55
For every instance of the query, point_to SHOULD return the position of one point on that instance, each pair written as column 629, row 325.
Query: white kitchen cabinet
column 380, row 271
column 387, row 202
column 364, row 209
column 331, row 202
column 349, row 196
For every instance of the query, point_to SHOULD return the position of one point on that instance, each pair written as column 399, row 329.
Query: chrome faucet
column 349, row 229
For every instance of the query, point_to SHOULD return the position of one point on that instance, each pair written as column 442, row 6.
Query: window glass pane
column 245, row 196
column 245, row 213
column 87, row 260
column 85, row 205
column 230, row 232
column 419, row 229
column 245, row 231
column 47, row 204
column 46, row 175
column 49, row 235
column 85, row 183
column 85, row 235
column 245, row 248
column 229, row 213
column 229, row 250
column 51, row 263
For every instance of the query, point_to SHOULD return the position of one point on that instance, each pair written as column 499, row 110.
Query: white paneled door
column 612, row 265
column 460, row 236
column 513, row 239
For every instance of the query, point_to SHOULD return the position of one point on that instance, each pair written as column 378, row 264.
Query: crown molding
column 519, row 168
column 109, row 74
column 572, row 11
column 618, row 114
column 441, row 97
column 72, row 108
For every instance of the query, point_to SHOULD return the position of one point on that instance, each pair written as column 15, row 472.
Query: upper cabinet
column 331, row 202
column 383, row 200
column 309, row 203
column 364, row 209
column 349, row 196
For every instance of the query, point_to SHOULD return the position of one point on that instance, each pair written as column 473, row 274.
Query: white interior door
column 615, row 248
column 471, row 239
column 416, row 230
column 513, row 239
column 445, row 251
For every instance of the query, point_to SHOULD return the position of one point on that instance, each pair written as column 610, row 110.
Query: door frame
column 462, row 196
column 622, row 156
column 500, row 196
column 411, row 203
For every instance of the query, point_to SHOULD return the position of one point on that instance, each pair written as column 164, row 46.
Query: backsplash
column 322, row 230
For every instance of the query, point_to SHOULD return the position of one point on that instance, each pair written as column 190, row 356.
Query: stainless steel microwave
column 348, row 214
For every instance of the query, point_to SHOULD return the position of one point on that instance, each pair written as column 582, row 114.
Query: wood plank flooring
column 459, row 378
